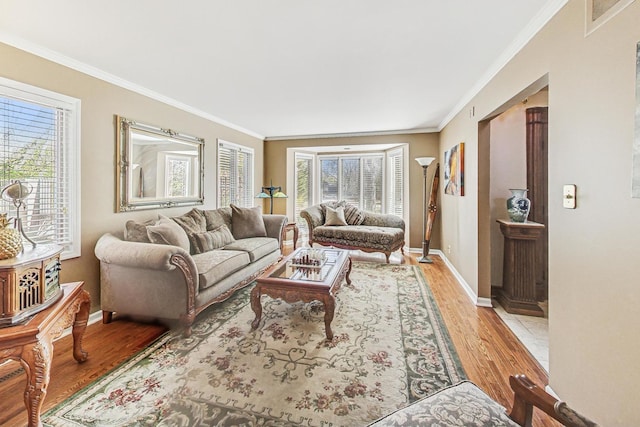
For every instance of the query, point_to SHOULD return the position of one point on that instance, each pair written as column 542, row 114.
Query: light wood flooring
column 488, row 350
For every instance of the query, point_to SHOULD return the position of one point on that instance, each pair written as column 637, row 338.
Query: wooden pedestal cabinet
column 518, row 293
column 29, row 283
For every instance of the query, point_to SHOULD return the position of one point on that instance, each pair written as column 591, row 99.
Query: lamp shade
column 279, row 195
column 262, row 195
column 425, row 161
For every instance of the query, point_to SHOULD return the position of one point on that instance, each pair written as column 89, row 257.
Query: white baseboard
column 475, row 299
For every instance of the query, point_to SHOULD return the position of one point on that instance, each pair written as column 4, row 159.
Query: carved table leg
column 256, row 306
column 36, row 360
column 349, row 273
column 79, row 326
column 329, row 309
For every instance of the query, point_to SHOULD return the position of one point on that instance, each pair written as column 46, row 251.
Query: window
column 304, row 187
column 41, row 148
column 178, row 176
column 235, row 175
column 358, row 180
column 395, row 183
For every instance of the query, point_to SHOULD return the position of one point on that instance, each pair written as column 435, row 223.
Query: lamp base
column 425, row 253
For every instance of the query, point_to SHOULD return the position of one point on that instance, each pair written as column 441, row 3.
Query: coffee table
column 292, row 282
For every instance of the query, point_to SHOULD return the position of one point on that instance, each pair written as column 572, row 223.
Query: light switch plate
column 569, row 196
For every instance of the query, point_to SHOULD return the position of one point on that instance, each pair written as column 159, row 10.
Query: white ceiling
column 287, row 67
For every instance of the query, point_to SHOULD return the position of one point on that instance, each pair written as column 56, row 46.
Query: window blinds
column 235, row 175
column 35, row 149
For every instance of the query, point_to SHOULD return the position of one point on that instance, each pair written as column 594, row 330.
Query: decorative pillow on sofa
column 353, row 215
column 216, row 217
column 192, row 222
column 137, row 231
column 210, row 240
column 247, row 222
column 334, row 216
column 167, row 232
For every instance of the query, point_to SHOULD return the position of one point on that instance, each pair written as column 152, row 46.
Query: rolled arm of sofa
column 274, row 225
column 111, row 250
column 383, row 220
column 313, row 215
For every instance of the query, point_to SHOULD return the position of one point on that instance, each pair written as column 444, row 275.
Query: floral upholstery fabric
column 382, row 238
column 463, row 404
column 377, row 233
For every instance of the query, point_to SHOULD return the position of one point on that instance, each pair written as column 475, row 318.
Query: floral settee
column 342, row 225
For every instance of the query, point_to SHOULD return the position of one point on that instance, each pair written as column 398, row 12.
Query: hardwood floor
column 488, row 350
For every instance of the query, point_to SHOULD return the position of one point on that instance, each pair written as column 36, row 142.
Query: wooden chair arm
column 527, row 395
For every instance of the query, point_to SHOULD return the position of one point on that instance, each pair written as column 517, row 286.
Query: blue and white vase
column 518, row 206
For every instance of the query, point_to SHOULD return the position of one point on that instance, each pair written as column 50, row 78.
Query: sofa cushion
column 256, row 247
column 334, row 216
column 217, row 264
column 210, row 240
column 353, row 215
column 363, row 236
column 167, row 232
column 217, row 217
column 463, row 404
column 247, row 222
column 135, row 231
column 192, row 222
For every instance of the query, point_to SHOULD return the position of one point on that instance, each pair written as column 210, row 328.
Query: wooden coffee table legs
column 293, row 293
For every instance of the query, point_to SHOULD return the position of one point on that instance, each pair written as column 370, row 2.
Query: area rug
column 390, row 348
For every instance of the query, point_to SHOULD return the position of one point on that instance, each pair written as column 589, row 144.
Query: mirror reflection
column 158, row 167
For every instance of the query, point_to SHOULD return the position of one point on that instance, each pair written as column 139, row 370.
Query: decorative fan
column 15, row 193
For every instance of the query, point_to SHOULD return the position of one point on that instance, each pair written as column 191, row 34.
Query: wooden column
column 518, row 293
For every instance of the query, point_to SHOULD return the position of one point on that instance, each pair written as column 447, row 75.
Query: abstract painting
column 454, row 170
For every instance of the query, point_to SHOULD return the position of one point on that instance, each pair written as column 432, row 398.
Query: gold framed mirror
column 157, row 168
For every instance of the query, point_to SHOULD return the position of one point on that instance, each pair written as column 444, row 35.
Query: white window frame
column 240, row 148
column 27, row 93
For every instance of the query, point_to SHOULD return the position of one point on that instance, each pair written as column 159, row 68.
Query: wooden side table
column 518, row 293
column 31, row 343
column 294, row 227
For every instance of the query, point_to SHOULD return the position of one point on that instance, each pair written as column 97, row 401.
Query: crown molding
column 352, row 134
column 535, row 25
column 58, row 58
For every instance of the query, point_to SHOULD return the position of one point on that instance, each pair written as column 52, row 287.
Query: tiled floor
column 532, row 331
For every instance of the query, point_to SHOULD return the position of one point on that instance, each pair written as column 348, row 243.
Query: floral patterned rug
column 390, row 348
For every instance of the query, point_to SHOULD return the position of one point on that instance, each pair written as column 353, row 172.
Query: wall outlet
column 448, row 249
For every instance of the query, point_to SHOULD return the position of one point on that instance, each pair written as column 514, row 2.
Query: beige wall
column 593, row 267
column 421, row 144
column 100, row 101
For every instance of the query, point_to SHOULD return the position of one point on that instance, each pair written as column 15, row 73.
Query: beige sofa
column 173, row 268
column 357, row 229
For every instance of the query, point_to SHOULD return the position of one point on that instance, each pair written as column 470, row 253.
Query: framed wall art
column 454, row 170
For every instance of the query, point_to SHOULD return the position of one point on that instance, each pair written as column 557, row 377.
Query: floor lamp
column 271, row 192
column 424, row 162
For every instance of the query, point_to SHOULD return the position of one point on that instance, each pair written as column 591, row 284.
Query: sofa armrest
column 274, row 225
column 383, row 220
column 111, row 250
column 527, row 395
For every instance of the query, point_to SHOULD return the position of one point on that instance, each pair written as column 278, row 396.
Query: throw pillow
column 192, row 222
column 210, row 240
column 216, row 217
column 334, row 216
column 167, row 232
column 137, row 231
column 353, row 215
column 247, row 222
